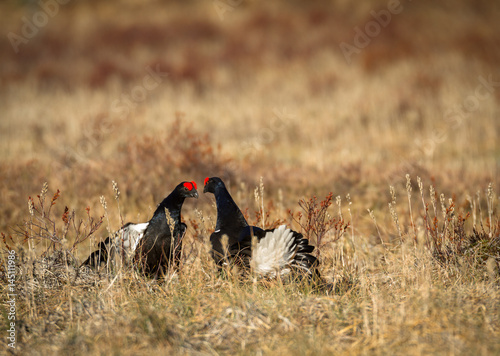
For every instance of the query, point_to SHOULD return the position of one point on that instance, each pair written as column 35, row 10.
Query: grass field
column 401, row 127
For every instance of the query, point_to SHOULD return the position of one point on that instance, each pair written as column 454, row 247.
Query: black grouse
column 279, row 250
column 153, row 244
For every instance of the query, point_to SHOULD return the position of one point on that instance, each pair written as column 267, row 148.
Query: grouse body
column 154, row 244
column 277, row 251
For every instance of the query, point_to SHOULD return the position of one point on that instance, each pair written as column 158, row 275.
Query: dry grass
column 264, row 93
column 392, row 298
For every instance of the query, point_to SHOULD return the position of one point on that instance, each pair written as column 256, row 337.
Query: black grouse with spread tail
column 155, row 244
column 278, row 251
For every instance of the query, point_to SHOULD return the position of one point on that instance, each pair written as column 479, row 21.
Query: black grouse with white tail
column 278, row 251
column 154, row 244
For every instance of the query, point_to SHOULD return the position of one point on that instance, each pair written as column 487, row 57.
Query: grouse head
column 187, row 190
column 211, row 184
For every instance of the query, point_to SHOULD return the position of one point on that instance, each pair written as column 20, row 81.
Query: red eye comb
column 194, row 184
column 206, row 180
column 188, row 185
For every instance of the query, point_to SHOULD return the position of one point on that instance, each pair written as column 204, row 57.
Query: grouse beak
column 205, row 189
column 195, row 194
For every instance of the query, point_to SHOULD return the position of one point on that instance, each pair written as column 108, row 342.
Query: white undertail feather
column 274, row 252
column 127, row 239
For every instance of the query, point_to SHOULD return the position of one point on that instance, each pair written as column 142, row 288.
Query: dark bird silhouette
column 277, row 251
column 152, row 245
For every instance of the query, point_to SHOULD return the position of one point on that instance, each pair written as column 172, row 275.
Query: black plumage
column 152, row 245
column 279, row 249
column 160, row 245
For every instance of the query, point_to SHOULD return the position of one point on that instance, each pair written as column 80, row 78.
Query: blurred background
column 314, row 96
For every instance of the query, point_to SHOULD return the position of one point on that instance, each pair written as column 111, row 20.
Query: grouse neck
column 173, row 203
column 228, row 213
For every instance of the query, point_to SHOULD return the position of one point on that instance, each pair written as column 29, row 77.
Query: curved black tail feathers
column 99, row 256
column 303, row 258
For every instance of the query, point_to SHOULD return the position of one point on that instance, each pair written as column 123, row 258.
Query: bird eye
column 188, row 186
column 206, row 181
